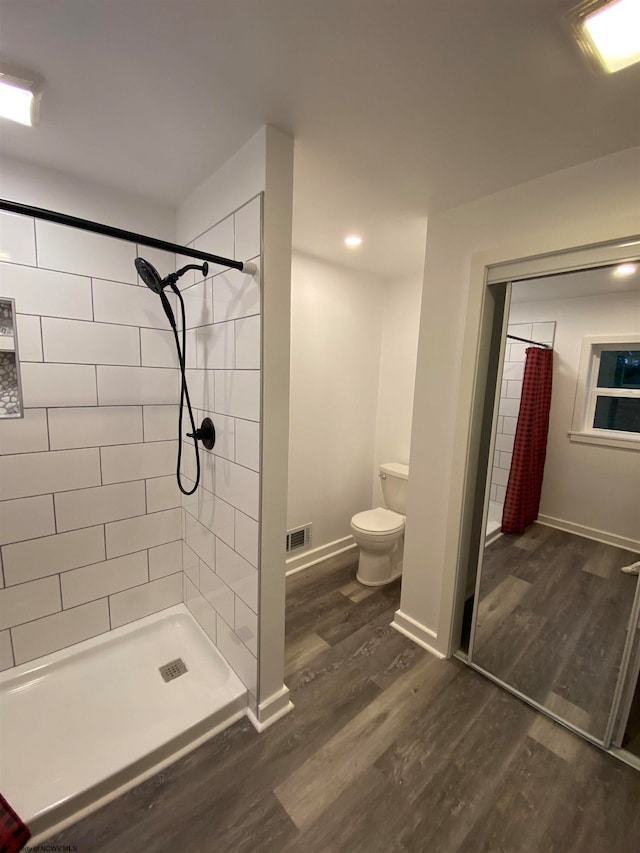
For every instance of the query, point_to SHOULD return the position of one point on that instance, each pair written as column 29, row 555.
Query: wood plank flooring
column 388, row 749
column 631, row 739
column 553, row 620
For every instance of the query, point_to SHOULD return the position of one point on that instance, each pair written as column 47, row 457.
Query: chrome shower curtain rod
column 120, row 234
column 527, row 341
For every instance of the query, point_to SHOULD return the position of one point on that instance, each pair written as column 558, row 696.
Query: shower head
column 151, row 277
column 149, row 274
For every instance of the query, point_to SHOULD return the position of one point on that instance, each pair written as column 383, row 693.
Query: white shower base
column 494, row 522
column 79, row 723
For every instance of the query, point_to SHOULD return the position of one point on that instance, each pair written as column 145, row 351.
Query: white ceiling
column 399, row 108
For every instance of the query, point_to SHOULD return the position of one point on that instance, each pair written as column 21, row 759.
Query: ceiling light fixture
column 608, row 31
column 352, row 240
column 624, row 270
column 19, row 96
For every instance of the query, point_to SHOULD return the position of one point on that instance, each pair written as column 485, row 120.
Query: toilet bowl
column 379, row 533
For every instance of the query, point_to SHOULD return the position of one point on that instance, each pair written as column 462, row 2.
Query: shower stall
column 520, row 336
column 128, row 601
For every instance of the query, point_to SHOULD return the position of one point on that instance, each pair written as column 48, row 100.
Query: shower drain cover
column 173, row 669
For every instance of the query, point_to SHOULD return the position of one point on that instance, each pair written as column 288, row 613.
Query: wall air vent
column 299, row 538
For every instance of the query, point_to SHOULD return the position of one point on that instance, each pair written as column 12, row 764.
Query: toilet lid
column 378, row 520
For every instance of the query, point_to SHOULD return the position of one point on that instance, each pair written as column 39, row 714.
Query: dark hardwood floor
column 553, row 620
column 388, row 749
column 631, row 739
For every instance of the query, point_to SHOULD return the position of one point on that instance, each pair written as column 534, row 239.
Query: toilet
column 379, row 532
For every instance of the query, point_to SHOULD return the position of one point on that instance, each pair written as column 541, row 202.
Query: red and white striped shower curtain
column 522, row 500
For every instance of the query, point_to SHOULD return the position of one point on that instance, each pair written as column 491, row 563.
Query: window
column 607, row 409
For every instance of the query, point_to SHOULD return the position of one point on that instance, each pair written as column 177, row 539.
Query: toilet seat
column 378, row 521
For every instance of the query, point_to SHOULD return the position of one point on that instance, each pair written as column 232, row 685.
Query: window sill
column 606, row 440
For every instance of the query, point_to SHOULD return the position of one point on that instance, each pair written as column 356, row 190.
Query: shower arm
column 121, row 234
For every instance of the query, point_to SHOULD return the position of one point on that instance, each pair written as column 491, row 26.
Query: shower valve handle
column 206, row 434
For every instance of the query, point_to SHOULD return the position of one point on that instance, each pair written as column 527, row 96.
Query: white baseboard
column 271, row 710
column 417, row 632
column 590, row 533
column 317, row 555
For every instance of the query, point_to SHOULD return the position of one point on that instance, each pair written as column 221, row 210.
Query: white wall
column 401, row 320
column 90, row 522
column 591, row 202
column 58, row 191
column 593, row 487
column 353, row 356
column 336, row 331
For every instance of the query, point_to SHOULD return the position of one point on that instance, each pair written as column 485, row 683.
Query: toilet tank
column 393, row 477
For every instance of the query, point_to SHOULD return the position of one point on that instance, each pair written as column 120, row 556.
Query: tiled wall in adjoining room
column 221, row 521
column 510, row 393
column 90, row 518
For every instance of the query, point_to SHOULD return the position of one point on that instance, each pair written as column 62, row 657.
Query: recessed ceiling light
column 353, row 240
column 19, row 96
column 624, row 270
column 609, row 32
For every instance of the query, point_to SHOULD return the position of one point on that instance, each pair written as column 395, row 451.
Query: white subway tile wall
column 89, row 507
column 145, row 599
column 237, row 393
column 143, row 531
column 80, row 342
column 246, row 625
column 247, row 337
column 52, row 385
column 93, row 530
column 247, row 230
column 130, row 386
column 247, row 536
column 26, row 518
column 93, row 427
column 74, row 251
column 215, row 346
column 247, row 444
column 17, row 239
column 124, row 462
column 235, row 295
column 30, row 337
column 26, row 435
column 115, row 303
column 29, row 601
column 90, row 583
column 158, row 348
column 160, row 423
column 201, row 610
column 190, row 564
column 219, row 240
column 220, row 554
column 6, row 651
column 51, row 555
column 163, row 559
column 24, row 474
column 34, row 639
column 162, row 493
column 511, row 391
column 45, row 293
